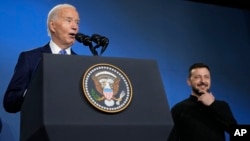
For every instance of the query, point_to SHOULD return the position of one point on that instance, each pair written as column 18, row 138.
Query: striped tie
column 63, row 51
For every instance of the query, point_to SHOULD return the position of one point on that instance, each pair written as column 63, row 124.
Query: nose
column 75, row 26
column 202, row 79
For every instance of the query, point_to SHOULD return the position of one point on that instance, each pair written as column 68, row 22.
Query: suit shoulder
column 34, row 50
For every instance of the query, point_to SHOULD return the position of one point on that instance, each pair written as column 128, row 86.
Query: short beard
column 196, row 91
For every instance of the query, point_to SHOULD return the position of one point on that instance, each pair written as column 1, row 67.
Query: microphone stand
column 93, row 49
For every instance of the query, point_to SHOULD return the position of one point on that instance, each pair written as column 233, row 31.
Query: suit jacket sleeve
column 13, row 98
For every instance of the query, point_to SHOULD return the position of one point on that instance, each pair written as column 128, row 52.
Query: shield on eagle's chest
column 108, row 93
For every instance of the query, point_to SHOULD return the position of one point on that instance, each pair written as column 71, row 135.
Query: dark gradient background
column 176, row 33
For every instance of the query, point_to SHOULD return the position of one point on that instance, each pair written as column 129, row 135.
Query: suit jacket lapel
column 46, row 49
column 73, row 53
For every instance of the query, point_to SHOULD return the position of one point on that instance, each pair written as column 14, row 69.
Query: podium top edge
column 110, row 57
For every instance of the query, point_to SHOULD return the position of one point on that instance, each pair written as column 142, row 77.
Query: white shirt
column 55, row 48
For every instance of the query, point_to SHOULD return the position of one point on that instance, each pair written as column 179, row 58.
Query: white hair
column 53, row 14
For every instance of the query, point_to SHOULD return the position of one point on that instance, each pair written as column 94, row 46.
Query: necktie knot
column 63, row 51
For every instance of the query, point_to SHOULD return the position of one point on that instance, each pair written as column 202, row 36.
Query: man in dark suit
column 63, row 24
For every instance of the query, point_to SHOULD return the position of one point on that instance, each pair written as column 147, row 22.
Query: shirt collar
column 55, row 48
column 193, row 98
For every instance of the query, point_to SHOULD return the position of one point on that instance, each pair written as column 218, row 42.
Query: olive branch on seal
column 94, row 95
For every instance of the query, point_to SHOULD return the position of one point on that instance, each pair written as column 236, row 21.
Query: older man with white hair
column 63, row 24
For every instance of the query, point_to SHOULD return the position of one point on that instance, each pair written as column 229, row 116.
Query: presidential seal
column 107, row 88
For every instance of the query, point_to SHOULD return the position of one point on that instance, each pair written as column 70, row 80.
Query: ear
column 52, row 26
column 188, row 82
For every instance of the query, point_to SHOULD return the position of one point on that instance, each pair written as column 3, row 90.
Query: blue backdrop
column 175, row 33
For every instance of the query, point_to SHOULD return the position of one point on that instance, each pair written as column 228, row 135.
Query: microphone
column 96, row 38
column 85, row 39
column 100, row 40
column 104, row 43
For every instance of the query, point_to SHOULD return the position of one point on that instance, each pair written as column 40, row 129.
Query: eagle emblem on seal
column 107, row 84
column 107, row 88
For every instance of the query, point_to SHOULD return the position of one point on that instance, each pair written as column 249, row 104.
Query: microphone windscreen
column 79, row 37
column 85, row 39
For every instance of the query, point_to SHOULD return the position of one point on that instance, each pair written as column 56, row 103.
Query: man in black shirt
column 201, row 117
